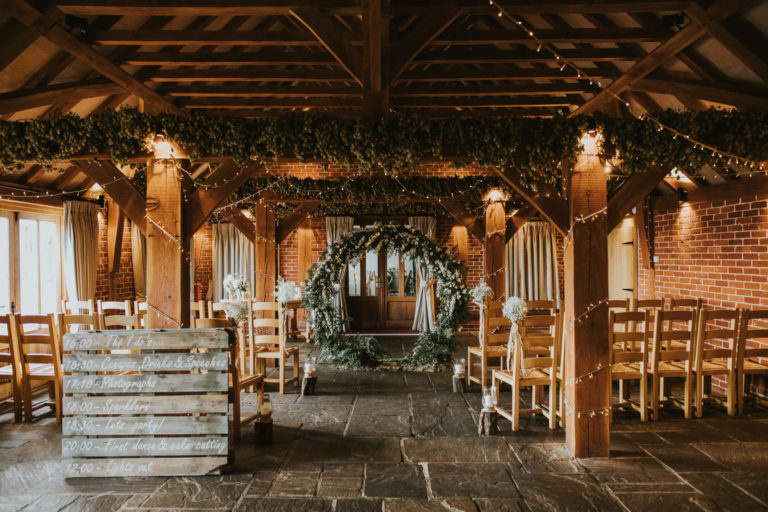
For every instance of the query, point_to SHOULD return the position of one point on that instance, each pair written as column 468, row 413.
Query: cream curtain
column 531, row 263
column 80, row 245
column 335, row 228
column 232, row 254
column 423, row 319
column 139, row 262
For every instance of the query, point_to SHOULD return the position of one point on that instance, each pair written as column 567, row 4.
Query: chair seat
column 753, row 366
column 490, row 351
column 267, row 353
column 531, row 377
column 714, row 367
column 6, row 371
column 247, row 380
column 625, row 370
column 670, row 368
column 38, row 370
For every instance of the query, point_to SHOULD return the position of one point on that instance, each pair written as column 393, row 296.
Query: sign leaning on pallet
column 132, row 411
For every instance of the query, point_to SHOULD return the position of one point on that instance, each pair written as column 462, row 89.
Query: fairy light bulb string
column 564, row 63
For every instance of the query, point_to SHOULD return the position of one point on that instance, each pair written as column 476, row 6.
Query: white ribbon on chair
column 516, row 340
column 481, row 331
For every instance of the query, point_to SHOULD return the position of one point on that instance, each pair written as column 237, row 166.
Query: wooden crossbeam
column 203, row 38
column 375, row 57
column 633, row 191
column 261, row 103
column 737, row 95
column 418, row 38
column 718, row 10
column 488, row 102
column 754, row 186
column 119, row 188
column 495, row 56
column 52, row 94
column 518, row 220
column 329, row 36
column 289, row 224
column 16, row 42
column 436, row 91
column 32, row 174
column 746, row 42
column 458, row 210
column 249, row 75
column 546, row 202
column 452, row 74
column 65, row 178
column 264, row 57
column 222, row 182
column 551, row 36
column 250, row 91
column 241, row 222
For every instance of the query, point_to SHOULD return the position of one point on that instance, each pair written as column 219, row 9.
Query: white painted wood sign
column 146, row 402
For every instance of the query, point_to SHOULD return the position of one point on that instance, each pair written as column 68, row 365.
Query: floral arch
column 432, row 348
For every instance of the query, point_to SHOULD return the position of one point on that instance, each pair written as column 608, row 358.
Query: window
column 30, row 262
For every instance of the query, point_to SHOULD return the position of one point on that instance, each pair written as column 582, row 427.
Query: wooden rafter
column 633, row 191
column 551, row 36
column 53, row 94
column 222, row 182
column 754, row 186
column 737, row 95
column 375, row 57
column 435, row 91
column 203, row 37
column 17, row 42
column 492, row 74
column 241, row 222
column 251, row 91
column 458, row 210
column 264, row 57
column 459, row 55
column 720, row 9
column 289, row 224
column 518, row 220
column 66, row 177
column 249, row 75
column 546, row 202
column 261, row 103
column 330, row 37
column 118, row 187
column 417, row 38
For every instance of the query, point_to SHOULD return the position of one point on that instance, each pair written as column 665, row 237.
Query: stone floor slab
column 569, row 492
column 395, row 480
column 452, row 480
column 444, row 449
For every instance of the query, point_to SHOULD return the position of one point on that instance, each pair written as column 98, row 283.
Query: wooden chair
column 10, row 369
column 672, row 326
column 239, row 380
column 269, row 316
column 543, row 307
column 78, row 307
column 493, row 346
column 641, row 304
column 620, row 305
column 36, row 365
column 106, row 307
column 531, row 371
column 196, row 310
column 710, row 361
column 217, row 309
column 121, row 321
column 753, row 330
column 675, row 304
column 83, row 322
column 629, row 339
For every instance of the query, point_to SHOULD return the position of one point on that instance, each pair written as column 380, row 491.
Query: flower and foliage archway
column 433, row 348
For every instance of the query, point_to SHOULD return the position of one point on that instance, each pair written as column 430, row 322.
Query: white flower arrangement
column 286, row 291
column 234, row 284
column 514, row 309
column 237, row 311
column 480, row 292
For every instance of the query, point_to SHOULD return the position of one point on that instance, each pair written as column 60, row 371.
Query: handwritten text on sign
column 79, row 362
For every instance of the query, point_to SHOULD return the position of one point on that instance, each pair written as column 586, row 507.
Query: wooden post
column 265, row 271
column 167, row 248
column 493, row 245
column 587, row 399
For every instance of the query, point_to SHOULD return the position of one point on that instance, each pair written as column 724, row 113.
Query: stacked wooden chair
column 10, row 369
column 114, row 307
column 78, row 307
column 269, row 317
column 720, row 326
column 493, row 346
column 673, row 356
column 752, row 346
column 66, row 323
column 629, row 340
column 39, row 358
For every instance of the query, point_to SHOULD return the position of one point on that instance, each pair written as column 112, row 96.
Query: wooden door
column 399, row 293
column 364, row 292
column 622, row 260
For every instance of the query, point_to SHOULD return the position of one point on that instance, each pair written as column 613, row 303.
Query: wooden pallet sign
column 146, row 402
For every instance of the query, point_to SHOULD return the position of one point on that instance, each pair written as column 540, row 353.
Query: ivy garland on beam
column 432, row 349
column 396, row 143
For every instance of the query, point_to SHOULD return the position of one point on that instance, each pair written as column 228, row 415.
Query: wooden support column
column 586, row 313
column 493, row 244
column 266, row 253
column 167, row 248
column 115, row 223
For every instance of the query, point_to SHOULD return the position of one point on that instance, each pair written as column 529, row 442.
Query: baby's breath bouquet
column 514, row 309
column 286, row 291
column 480, row 292
column 235, row 285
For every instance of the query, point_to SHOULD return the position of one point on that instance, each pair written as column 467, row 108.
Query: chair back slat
column 619, row 304
column 752, row 330
column 212, row 323
column 81, row 322
column 710, row 327
column 121, row 321
column 628, row 337
column 123, row 306
column 76, row 307
column 639, row 304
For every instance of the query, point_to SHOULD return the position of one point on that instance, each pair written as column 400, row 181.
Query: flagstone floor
column 405, row 442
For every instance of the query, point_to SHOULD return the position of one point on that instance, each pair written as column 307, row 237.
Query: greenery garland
column 395, row 143
column 432, row 349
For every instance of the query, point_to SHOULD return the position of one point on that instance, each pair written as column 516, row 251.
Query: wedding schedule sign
column 146, row 402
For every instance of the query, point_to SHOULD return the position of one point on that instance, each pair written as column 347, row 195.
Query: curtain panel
column 424, row 318
column 531, row 263
column 233, row 253
column 80, row 236
column 139, row 262
column 335, row 228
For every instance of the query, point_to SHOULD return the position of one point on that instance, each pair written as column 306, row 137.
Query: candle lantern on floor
column 263, row 424
column 459, row 384
column 310, row 376
column 487, row 422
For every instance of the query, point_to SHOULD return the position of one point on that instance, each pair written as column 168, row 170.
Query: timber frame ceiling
column 370, row 57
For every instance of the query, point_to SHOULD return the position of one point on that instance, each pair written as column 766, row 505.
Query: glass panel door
column 39, row 264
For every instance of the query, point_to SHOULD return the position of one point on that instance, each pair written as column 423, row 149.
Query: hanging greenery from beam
column 433, row 349
column 396, row 143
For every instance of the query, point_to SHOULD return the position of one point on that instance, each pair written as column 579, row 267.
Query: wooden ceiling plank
column 119, row 188
column 32, row 174
column 249, row 75
column 289, row 224
column 633, row 191
column 417, row 38
column 490, row 55
column 264, row 57
column 50, row 95
column 551, row 36
column 489, row 102
column 434, row 91
column 213, row 91
column 330, row 37
column 65, row 178
column 435, row 74
column 458, row 210
column 18, row 41
column 720, row 9
column 236, row 103
column 202, row 38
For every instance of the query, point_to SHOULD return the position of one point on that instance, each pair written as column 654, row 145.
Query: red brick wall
column 203, row 250
column 124, row 278
column 716, row 251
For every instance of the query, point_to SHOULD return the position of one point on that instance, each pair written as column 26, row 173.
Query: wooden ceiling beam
column 119, row 188
column 330, row 37
column 375, row 58
column 461, row 54
column 203, row 38
column 427, row 91
column 238, row 103
column 241, row 222
column 452, row 74
column 633, row 191
column 747, row 187
column 551, row 36
column 718, row 10
column 458, row 210
column 224, row 180
column 489, row 102
column 289, row 224
column 52, row 94
column 553, row 207
column 66, row 177
column 15, row 42
column 518, row 220
column 417, row 38
column 737, row 95
column 743, row 40
column 249, row 75
column 263, row 57
column 228, row 91
column 31, row 175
